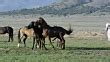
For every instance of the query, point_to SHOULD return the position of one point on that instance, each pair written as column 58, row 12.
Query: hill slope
column 65, row 7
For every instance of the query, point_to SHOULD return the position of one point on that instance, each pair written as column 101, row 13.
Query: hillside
column 68, row 7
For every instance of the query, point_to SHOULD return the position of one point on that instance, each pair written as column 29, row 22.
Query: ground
column 87, row 43
column 77, row 50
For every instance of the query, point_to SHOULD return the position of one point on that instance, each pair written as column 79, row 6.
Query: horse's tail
column 19, row 35
column 68, row 32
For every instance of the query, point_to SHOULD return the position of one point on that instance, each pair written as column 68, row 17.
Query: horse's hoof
column 63, row 48
column 32, row 48
column 46, row 49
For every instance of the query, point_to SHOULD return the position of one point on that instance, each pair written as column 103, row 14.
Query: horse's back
column 57, row 28
column 26, row 31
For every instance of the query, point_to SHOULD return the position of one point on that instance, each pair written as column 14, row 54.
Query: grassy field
column 78, row 49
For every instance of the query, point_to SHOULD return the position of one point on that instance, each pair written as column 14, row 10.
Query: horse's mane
column 58, row 27
column 42, row 20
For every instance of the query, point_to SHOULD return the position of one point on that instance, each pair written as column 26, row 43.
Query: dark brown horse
column 9, row 30
column 54, row 32
column 38, row 30
column 50, row 32
column 45, row 26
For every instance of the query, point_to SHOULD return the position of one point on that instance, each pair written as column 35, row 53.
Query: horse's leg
column 12, row 36
column 38, row 43
column 63, row 43
column 50, row 42
column 61, row 39
column 33, row 43
column 24, row 40
column 54, row 38
column 9, row 37
column 58, row 42
column 19, row 40
column 43, row 43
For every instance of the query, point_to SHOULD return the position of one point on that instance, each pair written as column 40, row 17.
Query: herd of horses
column 38, row 30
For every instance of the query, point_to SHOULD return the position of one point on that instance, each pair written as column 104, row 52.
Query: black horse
column 9, row 30
column 57, row 32
column 54, row 32
column 38, row 30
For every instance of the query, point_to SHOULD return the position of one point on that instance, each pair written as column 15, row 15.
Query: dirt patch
column 85, row 34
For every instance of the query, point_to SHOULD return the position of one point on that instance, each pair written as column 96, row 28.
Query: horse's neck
column 46, row 26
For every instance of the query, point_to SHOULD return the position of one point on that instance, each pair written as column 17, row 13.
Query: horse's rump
column 3, row 30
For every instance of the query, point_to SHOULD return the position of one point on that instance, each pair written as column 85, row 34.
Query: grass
column 77, row 50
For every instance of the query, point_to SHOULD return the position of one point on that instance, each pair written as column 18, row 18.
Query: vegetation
column 84, row 49
column 77, row 50
column 71, row 9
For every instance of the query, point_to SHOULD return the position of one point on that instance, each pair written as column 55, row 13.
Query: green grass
column 77, row 50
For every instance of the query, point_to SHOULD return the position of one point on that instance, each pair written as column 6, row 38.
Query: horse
column 25, row 33
column 54, row 32
column 9, row 30
column 38, row 30
column 107, row 31
column 57, row 32
column 44, row 25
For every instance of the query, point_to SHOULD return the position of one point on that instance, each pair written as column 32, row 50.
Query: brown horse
column 25, row 33
column 9, row 30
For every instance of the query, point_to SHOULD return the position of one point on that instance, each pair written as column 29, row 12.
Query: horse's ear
column 40, row 18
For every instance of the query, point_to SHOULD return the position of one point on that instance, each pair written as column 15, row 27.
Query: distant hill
column 8, row 5
column 67, row 7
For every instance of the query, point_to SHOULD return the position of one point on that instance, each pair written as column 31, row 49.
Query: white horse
column 107, row 29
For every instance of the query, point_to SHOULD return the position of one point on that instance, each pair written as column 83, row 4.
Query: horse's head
column 34, row 25
column 31, row 25
column 42, row 21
